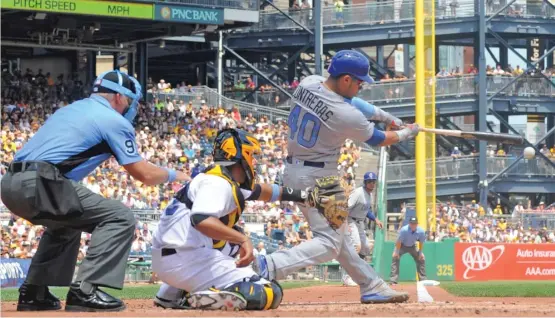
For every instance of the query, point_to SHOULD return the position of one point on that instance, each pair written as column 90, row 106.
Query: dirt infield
column 342, row 301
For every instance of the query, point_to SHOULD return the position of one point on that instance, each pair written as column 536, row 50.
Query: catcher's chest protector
column 231, row 218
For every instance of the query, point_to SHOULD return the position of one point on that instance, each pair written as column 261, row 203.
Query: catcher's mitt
column 330, row 199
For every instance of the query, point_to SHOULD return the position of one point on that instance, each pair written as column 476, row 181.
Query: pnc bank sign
column 173, row 13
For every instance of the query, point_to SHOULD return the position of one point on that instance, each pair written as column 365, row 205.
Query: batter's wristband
column 275, row 193
column 172, row 174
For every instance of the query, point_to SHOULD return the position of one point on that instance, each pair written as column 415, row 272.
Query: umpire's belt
column 22, row 166
column 168, row 251
column 307, row 163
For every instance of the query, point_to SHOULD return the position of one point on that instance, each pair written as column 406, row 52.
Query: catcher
column 197, row 241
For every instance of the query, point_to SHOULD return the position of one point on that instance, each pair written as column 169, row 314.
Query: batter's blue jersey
column 79, row 137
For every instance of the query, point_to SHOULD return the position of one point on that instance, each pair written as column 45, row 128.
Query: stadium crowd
column 169, row 132
column 396, row 86
column 178, row 133
column 472, row 223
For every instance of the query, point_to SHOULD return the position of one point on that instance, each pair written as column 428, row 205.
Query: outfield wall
column 440, row 264
column 452, row 260
column 491, row 261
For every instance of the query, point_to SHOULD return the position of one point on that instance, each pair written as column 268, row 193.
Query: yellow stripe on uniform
column 269, row 296
column 232, row 217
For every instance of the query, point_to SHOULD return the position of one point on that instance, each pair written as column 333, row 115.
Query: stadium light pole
column 220, row 66
column 482, row 104
column 318, row 38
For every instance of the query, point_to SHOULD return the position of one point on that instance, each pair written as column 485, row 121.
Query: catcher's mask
column 237, row 146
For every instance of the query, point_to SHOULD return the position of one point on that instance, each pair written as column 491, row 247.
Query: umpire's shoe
column 36, row 298
column 92, row 299
column 383, row 294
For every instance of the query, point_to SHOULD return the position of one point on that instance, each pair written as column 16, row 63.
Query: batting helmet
column 237, row 146
column 370, row 176
column 351, row 63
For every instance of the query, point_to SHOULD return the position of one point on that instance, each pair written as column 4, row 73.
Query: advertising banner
column 88, row 7
column 499, row 261
column 534, row 50
column 13, row 272
column 184, row 14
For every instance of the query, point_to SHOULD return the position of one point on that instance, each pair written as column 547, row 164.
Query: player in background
column 195, row 245
column 326, row 112
column 360, row 207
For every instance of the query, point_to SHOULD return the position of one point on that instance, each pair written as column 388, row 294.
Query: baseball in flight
column 529, row 153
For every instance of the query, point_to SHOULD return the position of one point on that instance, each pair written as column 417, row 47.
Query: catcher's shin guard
column 214, row 299
column 260, row 295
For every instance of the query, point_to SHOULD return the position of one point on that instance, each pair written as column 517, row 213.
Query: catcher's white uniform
column 197, row 264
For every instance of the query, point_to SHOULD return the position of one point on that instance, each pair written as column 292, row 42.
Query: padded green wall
column 440, row 259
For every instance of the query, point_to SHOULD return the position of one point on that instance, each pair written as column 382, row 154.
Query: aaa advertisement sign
column 491, row 261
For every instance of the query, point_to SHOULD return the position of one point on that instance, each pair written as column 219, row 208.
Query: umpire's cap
column 413, row 220
column 351, row 63
column 370, row 176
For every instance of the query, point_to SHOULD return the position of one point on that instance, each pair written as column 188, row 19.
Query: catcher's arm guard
column 330, row 199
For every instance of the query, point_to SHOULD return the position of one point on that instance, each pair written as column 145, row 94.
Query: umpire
column 406, row 243
column 41, row 185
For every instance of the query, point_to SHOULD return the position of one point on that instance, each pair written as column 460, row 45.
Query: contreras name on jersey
column 308, row 99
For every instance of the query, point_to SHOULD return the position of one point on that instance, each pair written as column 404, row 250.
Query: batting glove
column 394, row 122
column 409, row 132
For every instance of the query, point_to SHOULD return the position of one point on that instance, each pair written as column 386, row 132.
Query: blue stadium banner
column 184, row 14
column 13, row 271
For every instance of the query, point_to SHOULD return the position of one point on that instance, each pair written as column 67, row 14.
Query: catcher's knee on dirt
column 260, row 295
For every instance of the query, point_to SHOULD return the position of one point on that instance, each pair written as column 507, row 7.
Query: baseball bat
column 487, row 136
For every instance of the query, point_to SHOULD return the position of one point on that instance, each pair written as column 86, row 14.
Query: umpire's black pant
column 111, row 223
column 420, row 264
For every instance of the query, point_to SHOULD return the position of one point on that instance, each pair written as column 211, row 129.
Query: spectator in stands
column 260, row 250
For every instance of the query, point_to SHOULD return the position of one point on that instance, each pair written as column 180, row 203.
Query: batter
column 324, row 115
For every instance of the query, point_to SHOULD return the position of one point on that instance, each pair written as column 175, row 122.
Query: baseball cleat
column 384, row 294
column 348, row 281
column 260, row 267
column 217, row 300
column 169, row 304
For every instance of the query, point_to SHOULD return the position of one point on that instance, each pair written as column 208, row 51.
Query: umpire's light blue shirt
column 408, row 238
column 79, row 137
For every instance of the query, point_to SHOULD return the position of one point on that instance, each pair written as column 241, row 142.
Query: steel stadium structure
column 284, row 45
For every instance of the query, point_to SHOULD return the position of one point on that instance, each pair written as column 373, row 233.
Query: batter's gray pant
column 420, row 264
column 327, row 244
column 111, row 223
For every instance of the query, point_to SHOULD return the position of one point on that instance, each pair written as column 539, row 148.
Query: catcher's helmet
column 351, row 63
column 237, row 146
column 370, row 176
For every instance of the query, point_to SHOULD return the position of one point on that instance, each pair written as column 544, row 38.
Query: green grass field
column 146, row 291
column 464, row 289
column 501, row 289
